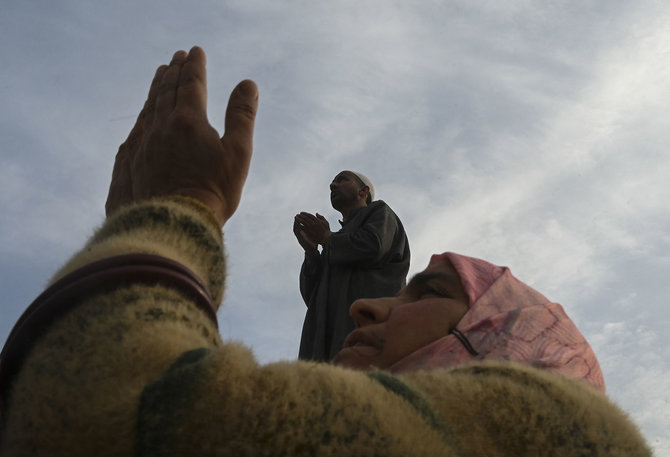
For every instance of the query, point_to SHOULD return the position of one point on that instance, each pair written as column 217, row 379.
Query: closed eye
column 425, row 285
column 433, row 293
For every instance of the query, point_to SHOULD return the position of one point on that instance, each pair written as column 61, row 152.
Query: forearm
column 367, row 244
column 309, row 275
column 90, row 365
column 303, row 408
column 504, row 408
column 298, row 408
column 179, row 229
column 358, row 247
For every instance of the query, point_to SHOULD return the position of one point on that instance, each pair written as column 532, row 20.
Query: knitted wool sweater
column 140, row 369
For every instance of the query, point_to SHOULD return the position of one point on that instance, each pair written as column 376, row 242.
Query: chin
column 350, row 358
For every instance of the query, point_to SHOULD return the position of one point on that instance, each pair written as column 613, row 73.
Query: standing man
column 367, row 258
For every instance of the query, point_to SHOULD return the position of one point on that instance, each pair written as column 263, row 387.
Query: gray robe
column 367, row 258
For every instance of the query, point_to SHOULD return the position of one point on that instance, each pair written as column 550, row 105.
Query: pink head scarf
column 507, row 320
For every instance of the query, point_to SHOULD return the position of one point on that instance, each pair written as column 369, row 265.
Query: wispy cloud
column 531, row 134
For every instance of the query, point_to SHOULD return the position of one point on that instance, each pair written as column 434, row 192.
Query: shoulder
column 383, row 210
column 374, row 213
column 379, row 205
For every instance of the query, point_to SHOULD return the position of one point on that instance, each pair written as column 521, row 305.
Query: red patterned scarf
column 507, row 320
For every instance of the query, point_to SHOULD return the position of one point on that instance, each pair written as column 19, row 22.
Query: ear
column 363, row 193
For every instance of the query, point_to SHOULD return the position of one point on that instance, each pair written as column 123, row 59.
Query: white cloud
column 530, row 134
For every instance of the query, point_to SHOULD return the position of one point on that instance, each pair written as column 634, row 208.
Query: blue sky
column 531, row 134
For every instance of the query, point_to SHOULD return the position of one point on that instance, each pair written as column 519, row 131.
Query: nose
column 333, row 185
column 368, row 311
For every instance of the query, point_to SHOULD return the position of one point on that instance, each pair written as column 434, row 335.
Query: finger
column 304, row 221
column 120, row 187
column 305, row 237
column 150, row 105
column 167, row 89
column 136, row 133
column 240, row 117
column 132, row 143
column 192, row 85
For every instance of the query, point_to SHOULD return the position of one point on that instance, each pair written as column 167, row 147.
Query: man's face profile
column 344, row 190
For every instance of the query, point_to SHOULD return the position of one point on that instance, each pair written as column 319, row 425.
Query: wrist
column 311, row 255
column 326, row 239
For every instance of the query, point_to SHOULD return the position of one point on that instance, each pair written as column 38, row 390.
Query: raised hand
column 173, row 150
column 298, row 230
column 314, row 228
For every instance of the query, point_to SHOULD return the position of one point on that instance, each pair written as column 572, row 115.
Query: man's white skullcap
column 367, row 182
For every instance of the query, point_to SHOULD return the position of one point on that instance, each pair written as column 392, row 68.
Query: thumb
column 240, row 118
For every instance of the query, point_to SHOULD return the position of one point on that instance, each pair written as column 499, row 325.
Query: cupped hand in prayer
column 313, row 228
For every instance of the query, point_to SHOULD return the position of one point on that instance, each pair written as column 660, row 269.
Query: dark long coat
column 367, row 258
